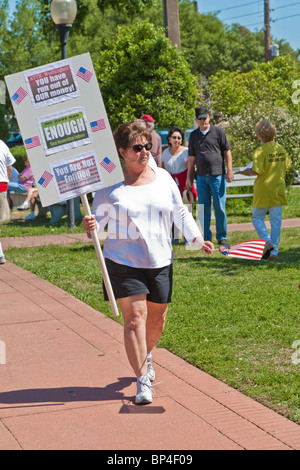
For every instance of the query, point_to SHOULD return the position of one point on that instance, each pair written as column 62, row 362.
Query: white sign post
column 67, row 136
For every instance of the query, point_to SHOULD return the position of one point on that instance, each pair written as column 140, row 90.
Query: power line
column 272, row 21
column 249, row 14
column 255, row 13
column 285, row 6
column 285, row 17
column 232, row 8
column 240, row 16
column 253, row 24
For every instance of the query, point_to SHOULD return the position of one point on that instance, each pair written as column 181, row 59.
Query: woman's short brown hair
column 265, row 130
column 127, row 133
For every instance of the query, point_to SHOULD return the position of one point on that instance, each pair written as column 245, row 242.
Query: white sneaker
column 144, row 393
column 151, row 371
column 30, row 217
column 2, row 259
column 24, row 206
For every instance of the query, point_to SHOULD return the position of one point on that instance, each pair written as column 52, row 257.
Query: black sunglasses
column 139, row 147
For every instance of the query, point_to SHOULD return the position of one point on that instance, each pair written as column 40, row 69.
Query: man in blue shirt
column 209, row 149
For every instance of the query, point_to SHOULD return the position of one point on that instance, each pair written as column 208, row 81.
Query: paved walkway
column 66, row 383
column 64, row 239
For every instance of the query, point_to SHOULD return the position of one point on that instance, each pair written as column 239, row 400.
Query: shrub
column 141, row 72
column 244, row 141
column 19, row 153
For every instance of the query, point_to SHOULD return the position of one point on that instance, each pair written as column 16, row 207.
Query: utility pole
column 171, row 21
column 267, row 32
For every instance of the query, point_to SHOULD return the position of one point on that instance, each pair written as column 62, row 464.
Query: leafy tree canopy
column 231, row 93
column 141, row 72
column 129, row 6
column 266, row 92
column 211, row 46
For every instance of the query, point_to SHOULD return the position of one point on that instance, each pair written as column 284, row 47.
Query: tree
column 131, row 6
column 141, row 72
column 211, row 46
column 271, row 82
column 266, row 92
column 244, row 141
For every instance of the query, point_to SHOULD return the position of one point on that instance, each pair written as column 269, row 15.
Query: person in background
column 32, row 194
column 209, row 149
column 270, row 163
column 139, row 213
column 175, row 159
column 14, row 175
column 155, row 138
column 25, row 181
column 14, row 178
column 6, row 162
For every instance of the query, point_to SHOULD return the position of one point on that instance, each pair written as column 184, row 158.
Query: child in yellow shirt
column 270, row 162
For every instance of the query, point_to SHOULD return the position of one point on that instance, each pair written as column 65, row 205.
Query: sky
column 285, row 17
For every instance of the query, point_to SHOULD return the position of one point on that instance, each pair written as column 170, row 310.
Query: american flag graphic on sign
column 32, row 142
column 252, row 249
column 84, row 74
column 19, row 95
column 98, row 125
column 45, row 179
column 108, row 164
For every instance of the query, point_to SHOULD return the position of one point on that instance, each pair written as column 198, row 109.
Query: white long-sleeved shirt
column 140, row 219
column 6, row 159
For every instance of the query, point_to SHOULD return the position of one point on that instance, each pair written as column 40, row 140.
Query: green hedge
column 19, row 153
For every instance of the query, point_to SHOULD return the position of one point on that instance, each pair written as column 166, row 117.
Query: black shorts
column 127, row 281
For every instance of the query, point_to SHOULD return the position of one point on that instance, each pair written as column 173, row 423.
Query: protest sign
column 51, row 84
column 67, row 135
column 65, row 128
column 74, row 173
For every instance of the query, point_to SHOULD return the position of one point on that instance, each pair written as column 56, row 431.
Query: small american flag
column 252, row 249
column 45, row 179
column 85, row 74
column 19, row 95
column 108, row 164
column 32, row 142
column 98, row 125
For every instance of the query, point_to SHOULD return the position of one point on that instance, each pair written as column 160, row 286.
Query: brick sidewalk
column 66, row 382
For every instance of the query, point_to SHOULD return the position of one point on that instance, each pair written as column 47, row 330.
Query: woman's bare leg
column 134, row 311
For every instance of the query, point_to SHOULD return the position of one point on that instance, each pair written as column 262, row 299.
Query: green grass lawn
column 238, row 210
column 234, row 319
